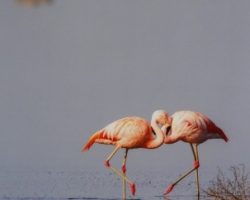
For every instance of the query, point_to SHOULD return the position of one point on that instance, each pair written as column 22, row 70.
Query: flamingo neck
column 169, row 139
column 158, row 140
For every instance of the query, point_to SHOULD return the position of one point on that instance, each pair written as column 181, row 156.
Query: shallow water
column 102, row 185
column 175, row 197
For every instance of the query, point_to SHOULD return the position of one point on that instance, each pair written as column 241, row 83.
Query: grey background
column 69, row 69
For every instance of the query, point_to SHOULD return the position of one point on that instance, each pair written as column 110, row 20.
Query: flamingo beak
column 168, row 129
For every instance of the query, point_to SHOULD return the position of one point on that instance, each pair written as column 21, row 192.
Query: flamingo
column 131, row 133
column 193, row 128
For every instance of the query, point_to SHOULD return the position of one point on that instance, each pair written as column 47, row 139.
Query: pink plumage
column 130, row 133
column 193, row 128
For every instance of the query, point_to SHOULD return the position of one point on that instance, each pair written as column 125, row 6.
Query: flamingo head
column 161, row 118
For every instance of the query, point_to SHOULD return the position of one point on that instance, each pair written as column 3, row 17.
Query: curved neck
column 158, row 140
column 170, row 140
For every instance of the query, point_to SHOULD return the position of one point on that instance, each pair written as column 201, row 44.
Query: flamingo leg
column 111, row 155
column 124, row 173
column 196, row 166
column 197, row 170
column 117, row 172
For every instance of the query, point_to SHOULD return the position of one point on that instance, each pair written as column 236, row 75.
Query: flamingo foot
column 124, row 169
column 132, row 188
column 106, row 163
column 196, row 164
column 169, row 189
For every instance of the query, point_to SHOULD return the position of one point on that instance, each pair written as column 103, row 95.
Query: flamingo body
column 128, row 132
column 193, row 127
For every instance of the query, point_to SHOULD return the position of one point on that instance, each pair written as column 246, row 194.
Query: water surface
column 95, row 185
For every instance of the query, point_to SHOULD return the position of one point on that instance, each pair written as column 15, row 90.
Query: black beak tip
column 168, row 129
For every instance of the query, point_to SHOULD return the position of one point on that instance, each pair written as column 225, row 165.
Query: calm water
column 87, row 185
column 97, row 198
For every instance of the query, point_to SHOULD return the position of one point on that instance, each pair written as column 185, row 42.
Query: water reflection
column 181, row 197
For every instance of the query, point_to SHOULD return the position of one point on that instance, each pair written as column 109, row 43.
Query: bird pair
column 135, row 132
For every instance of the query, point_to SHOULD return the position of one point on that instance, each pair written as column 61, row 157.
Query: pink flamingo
column 193, row 128
column 131, row 133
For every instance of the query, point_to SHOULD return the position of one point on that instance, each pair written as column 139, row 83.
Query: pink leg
column 124, row 169
column 196, row 164
column 195, row 167
column 122, row 175
column 132, row 188
column 106, row 163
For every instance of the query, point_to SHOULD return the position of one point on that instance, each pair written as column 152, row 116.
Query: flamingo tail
column 215, row 129
column 91, row 140
column 222, row 134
